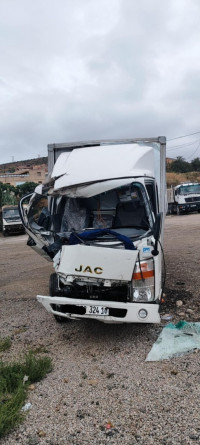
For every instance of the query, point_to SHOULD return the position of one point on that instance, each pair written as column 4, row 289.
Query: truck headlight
column 143, row 289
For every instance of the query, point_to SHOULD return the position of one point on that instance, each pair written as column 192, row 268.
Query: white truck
column 184, row 198
column 99, row 219
column 11, row 221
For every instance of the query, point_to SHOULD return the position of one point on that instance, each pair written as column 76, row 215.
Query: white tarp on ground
column 175, row 340
column 92, row 164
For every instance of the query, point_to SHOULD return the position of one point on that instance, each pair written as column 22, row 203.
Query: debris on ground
column 175, row 340
column 31, row 387
column 166, row 317
column 41, row 433
column 109, row 425
column 26, row 407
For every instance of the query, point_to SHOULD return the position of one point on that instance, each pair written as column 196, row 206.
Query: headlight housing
column 143, row 286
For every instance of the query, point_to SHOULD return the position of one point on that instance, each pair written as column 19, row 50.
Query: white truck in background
column 99, row 219
column 184, row 198
column 11, row 221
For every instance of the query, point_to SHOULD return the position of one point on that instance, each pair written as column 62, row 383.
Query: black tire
column 53, row 285
column 178, row 210
column 54, row 291
column 5, row 233
column 198, row 210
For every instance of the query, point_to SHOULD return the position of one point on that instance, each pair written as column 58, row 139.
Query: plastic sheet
column 175, row 340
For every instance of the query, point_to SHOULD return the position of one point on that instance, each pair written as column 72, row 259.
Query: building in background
column 17, row 173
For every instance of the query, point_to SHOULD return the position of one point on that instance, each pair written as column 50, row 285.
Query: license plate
column 97, row 310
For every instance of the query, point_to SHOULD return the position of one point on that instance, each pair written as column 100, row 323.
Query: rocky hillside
column 177, row 178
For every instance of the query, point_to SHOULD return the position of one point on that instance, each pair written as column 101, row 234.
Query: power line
column 185, row 136
column 177, row 147
column 194, row 151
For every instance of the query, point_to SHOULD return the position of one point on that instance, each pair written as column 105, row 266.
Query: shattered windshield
column 122, row 208
column 121, row 213
column 189, row 189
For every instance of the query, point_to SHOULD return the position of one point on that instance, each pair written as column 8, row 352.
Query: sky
column 75, row 70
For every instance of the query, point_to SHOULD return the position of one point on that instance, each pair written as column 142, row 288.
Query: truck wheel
column 178, row 211
column 54, row 291
column 53, row 285
column 198, row 210
column 5, row 233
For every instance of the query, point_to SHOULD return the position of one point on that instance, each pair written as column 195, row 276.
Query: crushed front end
column 101, row 246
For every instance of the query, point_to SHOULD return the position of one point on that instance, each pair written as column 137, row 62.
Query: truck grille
column 192, row 199
column 115, row 293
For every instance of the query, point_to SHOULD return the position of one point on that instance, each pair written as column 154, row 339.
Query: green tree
column 7, row 194
column 25, row 189
column 195, row 165
column 180, row 165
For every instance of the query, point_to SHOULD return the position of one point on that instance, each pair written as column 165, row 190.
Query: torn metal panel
column 96, row 188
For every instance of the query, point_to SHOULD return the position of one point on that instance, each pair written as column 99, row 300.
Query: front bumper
column 119, row 312
column 13, row 228
column 192, row 207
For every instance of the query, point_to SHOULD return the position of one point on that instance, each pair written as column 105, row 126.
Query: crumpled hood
column 97, row 262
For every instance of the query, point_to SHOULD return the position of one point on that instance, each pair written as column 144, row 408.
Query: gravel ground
column 100, row 377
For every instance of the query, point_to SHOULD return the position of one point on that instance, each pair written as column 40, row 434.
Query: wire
column 194, row 151
column 186, row 135
column 175, row 147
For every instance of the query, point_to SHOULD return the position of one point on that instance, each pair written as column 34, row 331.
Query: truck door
column 36, row 219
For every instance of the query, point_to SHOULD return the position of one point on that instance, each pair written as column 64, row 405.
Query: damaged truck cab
column 99, row 219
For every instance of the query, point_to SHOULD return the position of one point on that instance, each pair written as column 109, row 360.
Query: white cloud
column 74, row 69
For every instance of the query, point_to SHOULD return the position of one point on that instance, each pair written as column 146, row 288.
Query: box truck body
column 99, row 219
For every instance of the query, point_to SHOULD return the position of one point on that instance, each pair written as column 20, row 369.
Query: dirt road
column 100, row 375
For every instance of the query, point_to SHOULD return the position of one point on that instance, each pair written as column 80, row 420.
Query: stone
column 93, row 382
column 179, row 303
column 189, row 311
column 41, row 433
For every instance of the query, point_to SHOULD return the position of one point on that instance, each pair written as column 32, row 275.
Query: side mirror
column 156, row 232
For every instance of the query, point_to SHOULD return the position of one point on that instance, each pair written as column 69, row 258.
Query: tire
column 53, row 285
column 178, row 211
column 5, row 233
column 198, row 210
column 54, row 291
column 169, row 210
